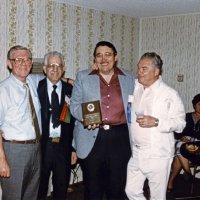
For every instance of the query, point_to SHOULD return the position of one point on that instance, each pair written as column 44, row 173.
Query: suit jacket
column 87, row 88
column 66, row 128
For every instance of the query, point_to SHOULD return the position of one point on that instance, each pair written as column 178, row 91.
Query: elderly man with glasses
column 57, row 128
column 20, row 125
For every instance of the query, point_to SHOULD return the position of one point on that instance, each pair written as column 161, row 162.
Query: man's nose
column 55, row 68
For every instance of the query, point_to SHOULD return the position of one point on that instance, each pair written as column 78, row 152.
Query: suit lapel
column 44, row 98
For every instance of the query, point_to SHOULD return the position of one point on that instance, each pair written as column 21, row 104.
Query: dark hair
column 18, row 47
column 196, row 99
column 157, row 61
column 105, row 43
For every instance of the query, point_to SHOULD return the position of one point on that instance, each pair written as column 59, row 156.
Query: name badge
column 54, row 134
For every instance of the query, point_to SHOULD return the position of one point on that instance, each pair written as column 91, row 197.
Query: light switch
column 180, row 77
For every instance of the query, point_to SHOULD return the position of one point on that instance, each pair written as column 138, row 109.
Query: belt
column 107, row 127
column 22, row 141
column 54, row 140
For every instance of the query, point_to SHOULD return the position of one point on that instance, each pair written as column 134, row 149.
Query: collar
column 18, row 82
column 153, row 86
column 117, row 71
column 156, row 84
column 50, row 85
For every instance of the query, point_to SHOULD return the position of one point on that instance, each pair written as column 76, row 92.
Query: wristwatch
column 156, row 122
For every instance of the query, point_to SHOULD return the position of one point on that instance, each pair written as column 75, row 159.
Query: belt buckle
column 56, row 140
column 106, row 127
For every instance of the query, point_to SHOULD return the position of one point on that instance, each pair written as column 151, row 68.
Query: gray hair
column 52, row 54
column 156, row 60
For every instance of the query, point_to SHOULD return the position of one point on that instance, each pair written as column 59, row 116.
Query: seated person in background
column 190, row 133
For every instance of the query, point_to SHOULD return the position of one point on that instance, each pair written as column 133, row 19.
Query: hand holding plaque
column 91, row 113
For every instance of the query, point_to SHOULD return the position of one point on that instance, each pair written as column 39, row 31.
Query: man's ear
column 116, row 58
column 45, row 69
column 157, row 72
column 9, row 65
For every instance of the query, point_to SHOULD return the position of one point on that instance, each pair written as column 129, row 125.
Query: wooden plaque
column 91, row 113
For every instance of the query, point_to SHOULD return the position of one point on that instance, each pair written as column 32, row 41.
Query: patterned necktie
column 33, row 113
column 55, row 107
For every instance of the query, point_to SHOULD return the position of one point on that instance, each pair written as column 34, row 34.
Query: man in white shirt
column 19, row 139
column 157, row 111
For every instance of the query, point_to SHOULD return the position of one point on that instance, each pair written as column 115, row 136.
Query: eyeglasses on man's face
column 105, row 55
column 53, row 65
column 19, row 61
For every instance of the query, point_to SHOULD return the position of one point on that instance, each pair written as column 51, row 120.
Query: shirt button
column 107, row 107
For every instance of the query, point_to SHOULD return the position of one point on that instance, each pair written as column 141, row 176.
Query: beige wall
column 177, row 40
column 45, row 25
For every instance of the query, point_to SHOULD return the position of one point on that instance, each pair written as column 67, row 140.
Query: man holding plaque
column 101, row 138
column 57, row 128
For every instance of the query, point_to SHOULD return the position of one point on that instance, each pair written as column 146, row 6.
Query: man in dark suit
column 57, row 128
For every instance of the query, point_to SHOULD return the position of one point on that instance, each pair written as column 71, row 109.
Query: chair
column 195, row 170
column 74, row 173
column 74, row 177
column 189, row 151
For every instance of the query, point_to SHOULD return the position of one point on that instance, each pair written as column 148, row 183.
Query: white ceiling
column 140, row 8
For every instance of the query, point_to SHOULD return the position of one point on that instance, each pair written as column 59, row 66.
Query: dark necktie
column 55, row 107
column 33, row 113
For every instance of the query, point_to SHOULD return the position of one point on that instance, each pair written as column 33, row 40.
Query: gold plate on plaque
column 91, row 113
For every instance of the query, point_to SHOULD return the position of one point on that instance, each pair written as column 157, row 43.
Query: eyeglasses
column 105, row 55
column 54, row 65
column 19, row 61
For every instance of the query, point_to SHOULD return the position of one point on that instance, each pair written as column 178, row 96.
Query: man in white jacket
column 157, row 111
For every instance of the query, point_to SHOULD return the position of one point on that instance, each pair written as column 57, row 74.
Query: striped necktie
column 33, row 113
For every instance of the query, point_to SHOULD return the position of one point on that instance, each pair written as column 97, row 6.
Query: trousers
column 24, row 162
column 142, row 166
column 104, row 170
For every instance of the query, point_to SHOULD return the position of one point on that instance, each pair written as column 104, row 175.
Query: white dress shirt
column 15, row 118
column 143, row 104
column 54, row 132
column 164, row 103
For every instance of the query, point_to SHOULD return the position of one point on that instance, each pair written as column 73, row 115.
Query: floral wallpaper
column 176, row 40
column 46, row 25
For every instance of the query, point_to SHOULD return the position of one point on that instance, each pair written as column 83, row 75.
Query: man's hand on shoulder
column 68, row 80
column 94, row 66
